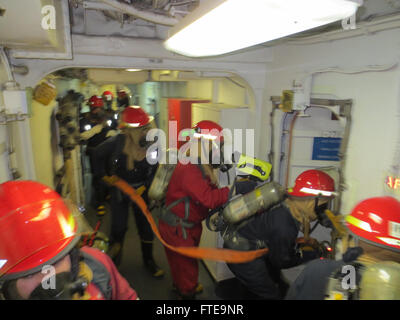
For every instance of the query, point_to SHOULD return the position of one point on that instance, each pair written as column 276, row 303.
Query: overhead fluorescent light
column 221, row 26
column 133, row 70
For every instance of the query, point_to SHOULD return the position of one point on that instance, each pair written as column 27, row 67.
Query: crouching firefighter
column 40, row 257
column 370, row 265
column 277, row 229
column 192, row 191
column 124, row 155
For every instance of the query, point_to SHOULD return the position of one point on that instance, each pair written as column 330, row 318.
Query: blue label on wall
column 326, row 149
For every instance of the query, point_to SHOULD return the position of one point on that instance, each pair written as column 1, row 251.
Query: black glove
column 308, row 255
column 352, row 254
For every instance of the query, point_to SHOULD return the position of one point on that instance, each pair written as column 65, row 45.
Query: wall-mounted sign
column 393, row 182
column 326, row 149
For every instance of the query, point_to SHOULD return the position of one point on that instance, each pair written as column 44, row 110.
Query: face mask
column 320, row 212
column 65, row 288
column 216, row 158
column 224, row 167
column 143, row 143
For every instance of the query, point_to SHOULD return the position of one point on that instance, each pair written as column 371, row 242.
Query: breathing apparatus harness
column 232, row 238
column 168, row 216
column 250, row 170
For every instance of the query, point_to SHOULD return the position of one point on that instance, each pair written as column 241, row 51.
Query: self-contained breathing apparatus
column 237, row 209
column 358, row 281
column 241, row 208
column 234, row 214
column 270, row 194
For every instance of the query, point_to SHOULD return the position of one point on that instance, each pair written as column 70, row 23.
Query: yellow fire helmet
column 254, row 167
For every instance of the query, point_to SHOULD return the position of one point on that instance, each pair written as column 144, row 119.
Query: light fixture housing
column 221, row 26
column 132, row 70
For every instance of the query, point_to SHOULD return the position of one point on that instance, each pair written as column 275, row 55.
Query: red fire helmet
column 377, row 220
column 134, row 117
column 37, row 227
column 209, row 130
column 107, row 95
column 96, row 102
column 312, row 183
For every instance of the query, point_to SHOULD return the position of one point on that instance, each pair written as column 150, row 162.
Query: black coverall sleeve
column 279, row 230
column 282, row 241
column 282, row 252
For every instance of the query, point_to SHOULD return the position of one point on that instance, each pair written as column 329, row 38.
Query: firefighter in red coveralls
column 192, row 185
column 39, row 254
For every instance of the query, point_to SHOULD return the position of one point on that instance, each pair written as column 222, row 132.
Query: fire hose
column 225, row 255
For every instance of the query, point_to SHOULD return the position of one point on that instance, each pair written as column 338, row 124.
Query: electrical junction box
column 299, row 100
column 15, row 101
column 294, row 100
column 287, row 101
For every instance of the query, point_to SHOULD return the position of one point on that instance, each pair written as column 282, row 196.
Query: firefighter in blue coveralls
column 277, row 229
column 124, row 155
column 95, row 129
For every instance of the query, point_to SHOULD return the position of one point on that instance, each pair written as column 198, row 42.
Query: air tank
column 381, row 281
column 158, row 187
column 261, row 198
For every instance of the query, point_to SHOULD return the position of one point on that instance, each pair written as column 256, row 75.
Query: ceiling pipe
column 4, row 61
column 128, row 9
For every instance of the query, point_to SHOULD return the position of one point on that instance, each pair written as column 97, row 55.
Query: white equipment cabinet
column 229, row 117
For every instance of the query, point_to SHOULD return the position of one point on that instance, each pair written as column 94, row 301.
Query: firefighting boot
column 182, row 296
column 148, row 260
column 199, row 289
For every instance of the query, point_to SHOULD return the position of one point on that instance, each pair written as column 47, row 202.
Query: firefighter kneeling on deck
column 191, row 192
column 40, row 255
column 277, row 229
